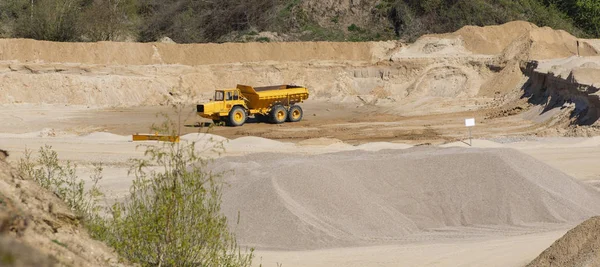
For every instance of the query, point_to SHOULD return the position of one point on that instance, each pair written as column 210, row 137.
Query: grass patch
column 59, row 243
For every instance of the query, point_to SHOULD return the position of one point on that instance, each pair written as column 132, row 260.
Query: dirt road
column 350, row 123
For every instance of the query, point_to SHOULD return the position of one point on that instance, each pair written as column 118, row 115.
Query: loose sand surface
column 335, row 209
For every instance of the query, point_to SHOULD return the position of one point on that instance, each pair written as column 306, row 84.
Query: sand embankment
column 462, row 66
column 579, row 247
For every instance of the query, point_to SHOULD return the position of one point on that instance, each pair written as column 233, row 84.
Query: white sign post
column 470, row 123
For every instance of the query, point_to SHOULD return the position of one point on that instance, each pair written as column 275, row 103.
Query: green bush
column 172, row 216
column 412, row 18
column 263, row 39
column 62, row 180
column 353, row 28
column 53, row 20
column 189, row 21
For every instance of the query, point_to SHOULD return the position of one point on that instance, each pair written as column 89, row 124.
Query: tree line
column 192, row 21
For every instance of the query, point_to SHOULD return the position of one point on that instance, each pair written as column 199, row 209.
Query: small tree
column 108, row 20
column 173, row 214
column 53, row 20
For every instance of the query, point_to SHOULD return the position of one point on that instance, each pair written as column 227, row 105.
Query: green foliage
column 336, row 19
column 190, row 21
column 68, row 20
column 412, row 18
column 7, row 258
column 263, row 39
column 54, row 20
column 172, row 216
column 589, row 11
column 585, row 13
column 59, row 243
column 62, row 180
column 108, row 20
column 353, row 28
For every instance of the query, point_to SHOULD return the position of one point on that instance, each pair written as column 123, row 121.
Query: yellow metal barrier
column 156, row 137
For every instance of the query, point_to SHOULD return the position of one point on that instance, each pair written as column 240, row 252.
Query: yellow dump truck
column 274, row 104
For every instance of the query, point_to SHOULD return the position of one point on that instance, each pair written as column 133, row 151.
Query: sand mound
column 579, row 247
column 520, row 40
column 38, row 229
column 102, row 136
column 323, row 141
column 376, row 146
column 475, row 143
column 202, row 137
column 434, row 46
column 358, row 197
column 581, row 70
column 492, row 40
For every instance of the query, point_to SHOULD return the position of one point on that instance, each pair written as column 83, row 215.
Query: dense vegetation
column 188, row 21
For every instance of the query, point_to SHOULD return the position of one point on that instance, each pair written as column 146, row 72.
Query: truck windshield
column 219, row 95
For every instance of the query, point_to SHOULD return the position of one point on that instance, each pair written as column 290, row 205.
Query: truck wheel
column 295, row 114
column 237, row 116
column 278, row 114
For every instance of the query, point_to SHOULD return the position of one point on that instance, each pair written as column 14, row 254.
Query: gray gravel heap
column 353, row 198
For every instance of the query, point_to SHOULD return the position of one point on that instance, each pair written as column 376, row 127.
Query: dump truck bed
column 264, row 97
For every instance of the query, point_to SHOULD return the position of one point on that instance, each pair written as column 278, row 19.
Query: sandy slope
column 37, row 229
column 578, row 247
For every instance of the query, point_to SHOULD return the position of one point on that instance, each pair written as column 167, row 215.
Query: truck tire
column 295, row 114
column 237, row 116
column 278, row 114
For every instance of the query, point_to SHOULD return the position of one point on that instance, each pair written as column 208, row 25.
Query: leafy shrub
column 172, row 216
column 263, row 39
column 62, row 180
column 353, row 28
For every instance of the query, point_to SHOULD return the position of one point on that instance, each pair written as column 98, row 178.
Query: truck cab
column 221, row 105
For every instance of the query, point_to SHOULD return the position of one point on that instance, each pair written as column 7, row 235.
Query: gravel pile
column 357, row 197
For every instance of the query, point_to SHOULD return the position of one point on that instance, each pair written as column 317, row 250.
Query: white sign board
column 469, row 122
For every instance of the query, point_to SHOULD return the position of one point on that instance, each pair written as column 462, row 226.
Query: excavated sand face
column 579, row 247
column 473, row 65
column 361, row 198
column 567, row 83
column 581, row 70
column 521, row 40
column 116, row 53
